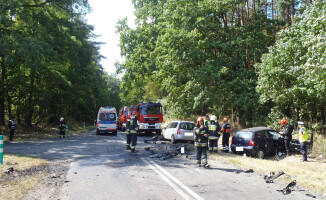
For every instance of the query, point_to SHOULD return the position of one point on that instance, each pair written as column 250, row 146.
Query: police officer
column 12, row 127
column 226, row 134
column 288, row 129
column 213, row 129
column 303, row 138
column 201, row 137
column 128, row 135
column 133, row 130
column 62, row 128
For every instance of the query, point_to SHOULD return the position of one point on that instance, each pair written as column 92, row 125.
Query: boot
column 206, row 165
column 215, row 151
column 210, row 151
column 198, row 163
column 128, row 147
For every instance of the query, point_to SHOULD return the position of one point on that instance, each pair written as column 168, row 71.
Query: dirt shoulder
column 28, row 177
column 309, row 175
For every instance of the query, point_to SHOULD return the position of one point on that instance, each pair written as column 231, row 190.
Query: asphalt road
column 101, row 168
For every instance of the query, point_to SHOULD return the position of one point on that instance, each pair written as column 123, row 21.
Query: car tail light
column 251, row 143
column 178, row 132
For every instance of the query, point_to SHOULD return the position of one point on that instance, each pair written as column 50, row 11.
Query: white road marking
column 177, row 189
column 196, row 196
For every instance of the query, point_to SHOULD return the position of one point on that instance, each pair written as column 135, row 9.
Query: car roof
column 183, row 121
column 255, row 129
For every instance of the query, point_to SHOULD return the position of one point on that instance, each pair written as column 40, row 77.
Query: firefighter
column 133, row 130
column 201, row 138
column 226, row 134
column 288, row 129
column 128, row 135
column 62, row 128
column 12, row 128
column 303, row 137
column 213, row 132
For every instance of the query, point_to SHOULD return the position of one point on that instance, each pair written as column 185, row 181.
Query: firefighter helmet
column 284, row 121
column 62, row 119
column 225, row 119
column 213, row 118
column 135, row 113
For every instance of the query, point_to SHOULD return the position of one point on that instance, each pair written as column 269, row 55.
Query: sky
column 104, row 18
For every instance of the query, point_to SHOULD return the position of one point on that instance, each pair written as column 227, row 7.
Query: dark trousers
column 225, row 140
column 62, row 133
column 133, row 140
column 201, row 154
column 303, row 146
column 213, row 145
column 11, row 135
column 287, row 145
column 128, row 135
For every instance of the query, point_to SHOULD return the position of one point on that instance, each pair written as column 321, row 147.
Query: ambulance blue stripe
column 106, row 122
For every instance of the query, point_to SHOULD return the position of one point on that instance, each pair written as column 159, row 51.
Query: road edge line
column 168, row 181
column 196, row 196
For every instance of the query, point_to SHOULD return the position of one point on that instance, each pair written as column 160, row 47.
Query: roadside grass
column 309, row 175
column 24, row 178
column 44, row 132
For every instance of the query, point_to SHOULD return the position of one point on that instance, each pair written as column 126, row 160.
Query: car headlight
column 141, row 126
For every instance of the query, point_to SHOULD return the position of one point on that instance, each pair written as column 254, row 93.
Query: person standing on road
column 213, row 135
column 303, row 137
column 62, row 128
column 12, row 127
column 201, row 138
column 128, row 135
column 226, row 134
column 288, row 129
column 133, row 130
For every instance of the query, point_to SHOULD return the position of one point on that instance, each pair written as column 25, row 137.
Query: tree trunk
column 9, row 106
column 254, row 6
column 272, row 9
column 2, row 91
column 30, row 109
column 247, row 5
column 293, row 11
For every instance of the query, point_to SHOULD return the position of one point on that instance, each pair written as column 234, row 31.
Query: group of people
column 207, row 133
column 63, row 128
column 303, row 137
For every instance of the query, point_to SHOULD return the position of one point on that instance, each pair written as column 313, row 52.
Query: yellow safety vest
column 303, row 135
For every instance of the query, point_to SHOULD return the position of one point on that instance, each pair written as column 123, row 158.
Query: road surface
column 99, row 167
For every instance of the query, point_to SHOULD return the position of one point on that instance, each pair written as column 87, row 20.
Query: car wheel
column 173, row 141
column 260, row 154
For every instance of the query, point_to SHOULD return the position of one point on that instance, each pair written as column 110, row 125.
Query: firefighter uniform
column 133, row 132
column 12, row 127
column 201, row 145
column 288, row 137
column 213, row 129
column 128, row 135
column 226, row 135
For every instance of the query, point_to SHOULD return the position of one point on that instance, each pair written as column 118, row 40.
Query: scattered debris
column 249, row 171
column 9, row 170
column 310, row 195
column 288, row 188
column 155, row 138
column 75, row 172
column 147, row 148
column 271, row 176
column 236, row 172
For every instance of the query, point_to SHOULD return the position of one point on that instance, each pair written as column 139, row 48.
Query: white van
column 106, row 120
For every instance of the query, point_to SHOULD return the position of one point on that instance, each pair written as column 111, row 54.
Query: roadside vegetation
column 309, row 175
column 28, row 173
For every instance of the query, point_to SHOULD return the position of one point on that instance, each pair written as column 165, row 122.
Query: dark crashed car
column 257, row 142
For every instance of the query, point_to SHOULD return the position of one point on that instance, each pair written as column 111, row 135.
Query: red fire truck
column 150, row 117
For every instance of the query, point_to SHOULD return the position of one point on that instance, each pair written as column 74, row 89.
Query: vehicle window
column 187, row 126
column 262, row 134
column 275, row 135
column 151, row 110
column 126, row 113
column 244, row 134
column 174, row 124
column 107, row 117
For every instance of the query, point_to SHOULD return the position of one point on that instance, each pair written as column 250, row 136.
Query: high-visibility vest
column 303, row 135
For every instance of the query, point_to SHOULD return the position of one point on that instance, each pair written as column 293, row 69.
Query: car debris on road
column 271, row 176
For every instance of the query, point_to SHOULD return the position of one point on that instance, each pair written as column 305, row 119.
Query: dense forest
column 49, row 62
column 254, row 61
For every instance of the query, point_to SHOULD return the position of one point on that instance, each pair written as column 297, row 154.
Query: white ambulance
column 106, row 120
